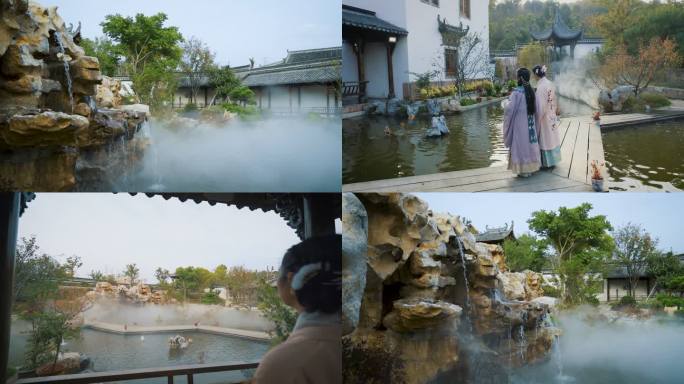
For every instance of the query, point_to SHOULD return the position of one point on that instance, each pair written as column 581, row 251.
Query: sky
column 109, row 231
column 658, row 213
column 235, row 29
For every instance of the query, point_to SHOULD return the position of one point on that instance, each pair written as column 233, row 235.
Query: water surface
column 114, row 352
column 645, row 157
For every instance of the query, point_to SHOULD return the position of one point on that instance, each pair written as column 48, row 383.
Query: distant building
column 616, row 285
column 386, row 42
column 303, row 82
column 496, row 235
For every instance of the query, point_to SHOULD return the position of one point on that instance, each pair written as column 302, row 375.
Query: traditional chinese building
column 496, row 235
column 558, row 36
column 303, row 82
column 386, row 44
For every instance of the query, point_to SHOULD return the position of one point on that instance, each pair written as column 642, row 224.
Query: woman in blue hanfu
column 519, row 129
column 547, row 119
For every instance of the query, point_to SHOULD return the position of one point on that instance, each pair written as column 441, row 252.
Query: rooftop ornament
column 451, row 34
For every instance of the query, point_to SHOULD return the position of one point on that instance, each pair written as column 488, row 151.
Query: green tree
column 162, row 275
column 195, row 64
column 107, row 53
column 633, row 248
column 224, row 81
column 242, row 94
column 36, row 275
column 45, row 339
column 186, row 279
column 663, row 267
column 533, row 54
column 132, row 272
column 273, row 308
column 581, row 245
column 526, row 252
column 240, row 282
column 71, row 265
column 151, row 52
column 97, row 275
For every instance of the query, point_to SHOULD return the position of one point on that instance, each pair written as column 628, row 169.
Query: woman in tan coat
column 310, row 282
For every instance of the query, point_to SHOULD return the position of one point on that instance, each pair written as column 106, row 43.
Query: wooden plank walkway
column 580, row 145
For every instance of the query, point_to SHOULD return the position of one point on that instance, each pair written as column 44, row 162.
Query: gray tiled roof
column 559, row 30
column 361, row 18
column 313, row 55
column 494, row 234
column 298, row 74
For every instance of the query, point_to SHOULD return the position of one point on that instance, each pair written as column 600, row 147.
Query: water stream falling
column 67, row 73
column 147, row 133
column 465, row 274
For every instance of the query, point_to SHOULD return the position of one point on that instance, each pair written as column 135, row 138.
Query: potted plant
column 596, row 177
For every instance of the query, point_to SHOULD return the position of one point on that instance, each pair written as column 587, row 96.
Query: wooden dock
column 581, row 144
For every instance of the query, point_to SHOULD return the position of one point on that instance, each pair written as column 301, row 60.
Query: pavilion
column 496, row 235
column 558, row 36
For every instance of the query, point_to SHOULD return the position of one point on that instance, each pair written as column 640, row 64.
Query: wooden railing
column 138, row 374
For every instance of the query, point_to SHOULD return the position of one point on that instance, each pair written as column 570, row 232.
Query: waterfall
column 465, row 272
column 58, row 37
column 125, row 159
column 556, row 351
column 522, row 343
column 147, row 133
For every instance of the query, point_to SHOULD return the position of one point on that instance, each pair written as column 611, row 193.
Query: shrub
column 211, row 297
column 654, row 100
column 511, row 84
column 627, row 301
column 190, row 107
column 247, row 111
column 497, row 89
column 467, row 101
column 551, row 291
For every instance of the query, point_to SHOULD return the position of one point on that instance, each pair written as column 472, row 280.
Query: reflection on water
column 475, row 141
column 113, row 352
column 645, row 157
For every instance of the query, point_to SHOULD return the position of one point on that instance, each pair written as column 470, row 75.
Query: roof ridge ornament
column 451, row 34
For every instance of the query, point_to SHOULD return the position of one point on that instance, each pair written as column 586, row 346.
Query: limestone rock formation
column 108, row 93
column 354, row 250
column 432, row 294
column 48, row 115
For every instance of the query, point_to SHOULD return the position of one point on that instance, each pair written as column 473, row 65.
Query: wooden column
column 9, row 220
column 390, row 70
column 360, row 66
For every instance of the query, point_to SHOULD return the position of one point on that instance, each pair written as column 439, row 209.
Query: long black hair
column 524, row 81
column 319, row 259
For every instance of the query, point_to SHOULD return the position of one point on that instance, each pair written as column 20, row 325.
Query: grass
column 634, row 104
column 466, row 102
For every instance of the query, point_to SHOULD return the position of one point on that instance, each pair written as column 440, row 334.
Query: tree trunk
column 59, row 346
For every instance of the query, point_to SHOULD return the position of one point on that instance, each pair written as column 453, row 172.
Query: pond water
column 475, row 141
column 112, row 352
column 645, row 157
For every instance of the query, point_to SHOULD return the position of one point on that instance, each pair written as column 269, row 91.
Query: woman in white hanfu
column 547, row 119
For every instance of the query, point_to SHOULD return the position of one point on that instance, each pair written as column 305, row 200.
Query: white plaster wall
column 314, row 96
column 583, row 50
column 424, row 40
column 641, row 290
column 349, row 67
column 479, row 23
